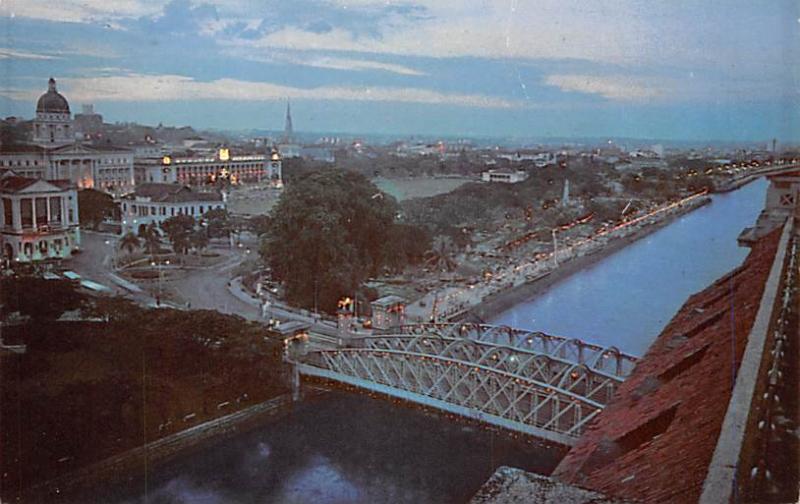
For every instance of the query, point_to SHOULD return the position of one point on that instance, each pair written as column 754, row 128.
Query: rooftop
column 11, row 183
column 172, row 193
column 655, row 440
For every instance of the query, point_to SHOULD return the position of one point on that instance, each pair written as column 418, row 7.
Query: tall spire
column 288, row 131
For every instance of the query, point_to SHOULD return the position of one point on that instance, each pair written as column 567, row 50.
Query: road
column 206, row 288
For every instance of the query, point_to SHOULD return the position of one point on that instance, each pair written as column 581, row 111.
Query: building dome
column 52, row 102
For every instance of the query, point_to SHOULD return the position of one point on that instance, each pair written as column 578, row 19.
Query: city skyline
column 706, row 71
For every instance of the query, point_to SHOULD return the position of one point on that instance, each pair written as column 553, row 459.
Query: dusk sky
column 685, row 69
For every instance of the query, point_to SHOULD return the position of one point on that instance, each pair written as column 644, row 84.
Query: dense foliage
column 125, row 374
column 94, row 206
column 332, row 230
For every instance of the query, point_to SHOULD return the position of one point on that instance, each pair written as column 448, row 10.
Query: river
column 337, row 449
column 627, row 298
column 344, row 448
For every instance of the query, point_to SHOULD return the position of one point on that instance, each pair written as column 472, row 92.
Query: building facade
column 108, row 169
column 39, row 218
column 199, row 170
column 53, row 124
column 504, row 176
column 157, row 202
column 55, row 154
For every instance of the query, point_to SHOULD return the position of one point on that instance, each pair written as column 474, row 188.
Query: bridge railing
column 517, row 388
column 607, row 359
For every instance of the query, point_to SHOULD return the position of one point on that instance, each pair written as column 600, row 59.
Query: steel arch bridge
column 545, row 386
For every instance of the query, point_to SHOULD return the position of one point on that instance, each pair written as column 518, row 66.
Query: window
column 55, row 209
column 8, row 216
column 26, row 212
column 172, row 212
column 152, row 210
column 163, row 211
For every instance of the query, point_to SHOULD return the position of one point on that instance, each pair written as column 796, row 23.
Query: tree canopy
column 330, row 231
column 94, row 206
column 179, row 230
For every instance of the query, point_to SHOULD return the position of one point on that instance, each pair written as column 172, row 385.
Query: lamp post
column 160, row 278
column 555, row 248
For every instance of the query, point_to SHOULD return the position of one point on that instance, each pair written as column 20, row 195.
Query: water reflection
column 626, row 299
column 340, row 449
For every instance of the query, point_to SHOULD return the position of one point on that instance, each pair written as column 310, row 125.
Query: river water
column 338, row 449
column 627, row 298
column 343, row 448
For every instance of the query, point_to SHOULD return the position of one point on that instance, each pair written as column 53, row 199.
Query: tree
column 199, row 240
column 329, row 232
column 217, row 223
column 260, row 224
column 440, row 256
column 129, row 242
column 179, row 230
column 94, row 207
column 151, row 238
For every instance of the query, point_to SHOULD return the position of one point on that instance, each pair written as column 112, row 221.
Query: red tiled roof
column 655, row 440
column 173, row 193
column 15, row 183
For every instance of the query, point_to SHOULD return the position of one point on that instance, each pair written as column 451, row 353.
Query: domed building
column 56, row 152
column 53, row 124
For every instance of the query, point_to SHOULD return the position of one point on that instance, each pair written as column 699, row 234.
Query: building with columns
column 157, row 202
column 53, row 124
column 38, row 218
column 55, row 154
column 209, row 168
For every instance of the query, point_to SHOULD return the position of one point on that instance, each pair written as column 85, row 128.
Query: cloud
column 79, row 11
column 612, row 87
column 358, row 65
column 6, row 53
column 150, row 88
column 307, row 58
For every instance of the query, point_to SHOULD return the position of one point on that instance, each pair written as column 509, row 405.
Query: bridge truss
column 551, row 389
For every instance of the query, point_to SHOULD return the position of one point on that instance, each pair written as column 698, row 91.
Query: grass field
column 407, row 188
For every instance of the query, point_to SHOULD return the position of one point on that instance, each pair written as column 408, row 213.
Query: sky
column 678, row 69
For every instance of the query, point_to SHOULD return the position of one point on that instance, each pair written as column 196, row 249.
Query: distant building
column 55, row 154
column 318, row 153
column 157, row 202
column 207, row 169
column 504, row 176
column 39, row 218
column 287, row 147
column 103, row 168
column 88, row 122
column 53, row 124
column 388, row 312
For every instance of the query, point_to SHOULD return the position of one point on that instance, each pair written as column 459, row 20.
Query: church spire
column 288, row 130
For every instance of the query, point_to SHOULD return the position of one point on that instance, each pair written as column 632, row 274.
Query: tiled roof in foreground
column 655, row 440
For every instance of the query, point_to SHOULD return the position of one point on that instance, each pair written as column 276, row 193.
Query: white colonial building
column 504, row 176
column 207, row 169
column 55, row 153
column 39, row 218
column 157, row 202
column 53, row 124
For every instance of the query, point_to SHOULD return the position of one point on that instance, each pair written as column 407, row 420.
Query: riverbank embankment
column 136, row 463
column 497, row 302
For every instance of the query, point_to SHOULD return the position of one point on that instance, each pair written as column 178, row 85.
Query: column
column 16, row 215
column 33, row 213
column 47, row 205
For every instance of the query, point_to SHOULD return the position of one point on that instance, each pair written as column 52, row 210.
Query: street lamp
column 555, row 248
